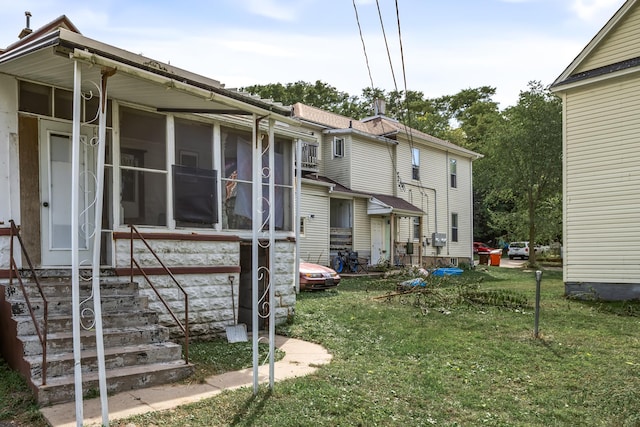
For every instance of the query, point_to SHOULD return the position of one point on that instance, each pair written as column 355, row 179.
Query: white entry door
column 378, row 246
column 55, row 195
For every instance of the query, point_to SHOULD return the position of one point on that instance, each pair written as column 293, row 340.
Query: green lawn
column 459, row 353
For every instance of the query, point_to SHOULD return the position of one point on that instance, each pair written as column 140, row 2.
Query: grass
column 460, row 352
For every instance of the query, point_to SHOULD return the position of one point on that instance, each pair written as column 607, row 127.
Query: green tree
column 525, row 159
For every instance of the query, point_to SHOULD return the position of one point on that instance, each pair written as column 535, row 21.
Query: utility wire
column 364, row 48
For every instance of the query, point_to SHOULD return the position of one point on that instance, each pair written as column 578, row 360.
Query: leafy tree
column 525, row 160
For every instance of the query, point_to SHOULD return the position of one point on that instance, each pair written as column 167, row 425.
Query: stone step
column 64, row 323
column 60, row 287
column 115, row 358
column 62, row 342
column 62, row 389
column 62, row 305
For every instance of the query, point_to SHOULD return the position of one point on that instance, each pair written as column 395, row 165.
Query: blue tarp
column 447, row 272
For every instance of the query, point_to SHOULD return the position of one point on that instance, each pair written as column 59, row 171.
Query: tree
column 525, row 157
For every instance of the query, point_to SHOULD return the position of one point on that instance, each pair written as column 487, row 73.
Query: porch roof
column 378, row 204
column 49, row 59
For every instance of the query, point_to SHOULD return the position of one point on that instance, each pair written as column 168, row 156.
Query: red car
column 480, row 247
column 315, row 276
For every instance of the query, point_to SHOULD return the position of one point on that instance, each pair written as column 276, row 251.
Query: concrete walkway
column 301, row 358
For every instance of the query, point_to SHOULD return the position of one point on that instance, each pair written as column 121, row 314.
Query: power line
column 364, row 48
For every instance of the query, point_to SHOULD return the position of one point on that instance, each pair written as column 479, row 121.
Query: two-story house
column 600, row 92
column 391, row 193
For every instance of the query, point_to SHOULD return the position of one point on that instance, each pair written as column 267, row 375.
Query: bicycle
column 349, row 260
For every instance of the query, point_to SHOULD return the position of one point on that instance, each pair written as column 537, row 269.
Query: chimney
column 27, row 30
column 378, row 107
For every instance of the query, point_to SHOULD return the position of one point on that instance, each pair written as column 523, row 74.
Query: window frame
column 415, row 164
column 453, row 173
column 338, row 147
column 454, row 227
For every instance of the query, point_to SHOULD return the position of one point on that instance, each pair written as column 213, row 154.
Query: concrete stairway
column 138, row 352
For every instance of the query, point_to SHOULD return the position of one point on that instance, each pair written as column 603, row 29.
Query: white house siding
column 459, row 201
column 602, row 181
column 338, row 169
column 361, row 229
column 620, row 44
column 209, row 294
column 314, row 245
column 372, row 167
column 434, row 179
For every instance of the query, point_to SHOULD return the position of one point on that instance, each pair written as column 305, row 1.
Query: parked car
column 480, row 247
column 518, row 250
column 315, row 276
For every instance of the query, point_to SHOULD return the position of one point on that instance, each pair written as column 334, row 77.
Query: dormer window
column 338, row 147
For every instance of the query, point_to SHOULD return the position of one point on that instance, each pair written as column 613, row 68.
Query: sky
column 443, row 46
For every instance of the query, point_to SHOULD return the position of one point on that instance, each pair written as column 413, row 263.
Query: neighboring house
column 600, row 91
column 169, row 134
column 386, row 191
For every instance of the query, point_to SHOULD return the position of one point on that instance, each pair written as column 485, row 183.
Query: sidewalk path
column 301, row 358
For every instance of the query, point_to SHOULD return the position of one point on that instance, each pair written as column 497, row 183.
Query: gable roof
column 376, row 126
column 384, row 125
column 60, row 22
column 570, row 76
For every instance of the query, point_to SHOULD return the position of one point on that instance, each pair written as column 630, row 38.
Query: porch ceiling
column 137, row 79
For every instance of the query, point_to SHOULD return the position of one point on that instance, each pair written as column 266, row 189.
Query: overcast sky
column 448, row 45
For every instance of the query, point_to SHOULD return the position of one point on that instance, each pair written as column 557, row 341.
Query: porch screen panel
column 143, row 169
column 194, row 195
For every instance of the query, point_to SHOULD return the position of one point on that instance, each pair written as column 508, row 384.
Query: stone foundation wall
column 210, row 305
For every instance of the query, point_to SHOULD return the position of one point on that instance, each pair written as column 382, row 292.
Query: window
column 416, row 228
column 453, row 170
column 454, row 227
column 338, row 147
column 237, row 175
column 303, row 223
column 415, row 163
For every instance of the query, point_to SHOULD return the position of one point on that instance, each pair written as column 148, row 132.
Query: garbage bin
column 484, row 258
column 495, row 256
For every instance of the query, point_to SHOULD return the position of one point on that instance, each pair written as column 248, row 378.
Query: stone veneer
column 210, row 308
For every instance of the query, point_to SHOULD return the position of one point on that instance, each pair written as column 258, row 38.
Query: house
column 183, row 160
column 386, row 191
column 600, row 92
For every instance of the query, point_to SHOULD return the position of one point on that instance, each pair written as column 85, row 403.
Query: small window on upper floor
column 415, row 163
column 453, row 171
column 338, row 147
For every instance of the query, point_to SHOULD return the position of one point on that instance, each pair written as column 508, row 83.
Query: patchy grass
column 459, row 353
column 460, row 362
column 17, row 405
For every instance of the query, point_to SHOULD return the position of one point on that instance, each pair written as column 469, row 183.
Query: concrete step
column 64, row 323
column 60, row 287
column 62, row 305
column 115, row 358
column 62, row 389
column 62, row 342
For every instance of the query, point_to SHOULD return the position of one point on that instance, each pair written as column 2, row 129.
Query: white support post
column 97, row 235
column 297, row 193
column 272, row 252
column 75, row 229
column 256, row 149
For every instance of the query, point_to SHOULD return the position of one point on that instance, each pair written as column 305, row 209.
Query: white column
column 272, row 253
column 75, row 265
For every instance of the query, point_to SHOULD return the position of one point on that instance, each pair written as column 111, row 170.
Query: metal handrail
column 185, row 327
column 13, row 269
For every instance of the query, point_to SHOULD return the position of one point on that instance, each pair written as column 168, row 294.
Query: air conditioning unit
column 439, row 239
